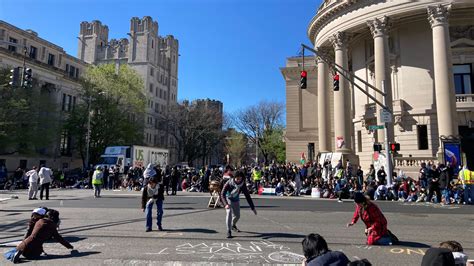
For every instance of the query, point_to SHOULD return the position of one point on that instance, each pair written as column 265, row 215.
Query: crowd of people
column 436, row 183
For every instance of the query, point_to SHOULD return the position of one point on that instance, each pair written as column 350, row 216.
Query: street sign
column 375, row 127
column 385, row 116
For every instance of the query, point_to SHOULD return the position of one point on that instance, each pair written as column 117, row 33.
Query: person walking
column 230, row 197
column 153, row 193
column 97, row 180
column 375, row 222
column 105, row 182
column 33, row 182
column 433, row 185
column 45, row 180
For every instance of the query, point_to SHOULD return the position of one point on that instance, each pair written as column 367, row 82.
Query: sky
column 231, row 50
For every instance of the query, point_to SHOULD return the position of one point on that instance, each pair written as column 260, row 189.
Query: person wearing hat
column 375, row 222
column 36, row 215
column 97, row 178
column 153, row 193
column 44, row 229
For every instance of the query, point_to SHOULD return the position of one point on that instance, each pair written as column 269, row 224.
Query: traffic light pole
column 349, row 76
column 387, row 145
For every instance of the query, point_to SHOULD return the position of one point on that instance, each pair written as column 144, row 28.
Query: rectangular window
column 161, row 93
column 422, row 131
column 151, row 88
column 77, row 72
column 72, row 71
column 33, row 52
column 73, row 102
column 23, row 164
column 152, row 72
column 64, row 102
column 462, row 78
column 165, row 95
column 65, row 143
column 359, row 141
column 157, row 107
column 51, row 59
column 12, row 48
column 69, row 103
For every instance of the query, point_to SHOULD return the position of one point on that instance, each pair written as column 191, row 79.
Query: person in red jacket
column 375, row 222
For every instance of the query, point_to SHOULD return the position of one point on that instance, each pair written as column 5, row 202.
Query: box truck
column 133, row 156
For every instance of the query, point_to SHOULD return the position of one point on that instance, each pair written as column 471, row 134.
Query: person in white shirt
column 45, row 180
column 33, row 181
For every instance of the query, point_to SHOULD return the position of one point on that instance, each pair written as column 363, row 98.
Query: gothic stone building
column 154, row 57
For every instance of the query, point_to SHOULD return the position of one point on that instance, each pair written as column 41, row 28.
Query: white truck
column 133, row 156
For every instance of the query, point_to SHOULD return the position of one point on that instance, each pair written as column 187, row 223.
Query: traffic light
column 15, row 77
column 394, row 146
column 377, row 147
column 27, row 78
column 335, row 82
column 303, row 84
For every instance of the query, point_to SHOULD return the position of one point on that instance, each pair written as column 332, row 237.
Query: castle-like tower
column 154, row 57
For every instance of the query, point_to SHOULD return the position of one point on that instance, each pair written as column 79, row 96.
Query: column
column 443, row 72
column 379, row 28
column 323, row 113
column 341, row 108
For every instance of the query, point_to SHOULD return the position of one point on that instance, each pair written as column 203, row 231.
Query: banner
column 452, row 155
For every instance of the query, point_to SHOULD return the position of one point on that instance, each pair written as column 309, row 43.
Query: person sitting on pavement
column 438, row 256
column 230, row 198
column 44, row 229
column 460, row 258
column 375, row 222
column 316, row 252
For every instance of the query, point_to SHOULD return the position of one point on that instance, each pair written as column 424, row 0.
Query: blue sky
column 231, row 50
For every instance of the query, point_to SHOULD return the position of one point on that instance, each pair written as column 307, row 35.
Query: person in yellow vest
column 97, row 181
column 467, row 179
column 256, row 177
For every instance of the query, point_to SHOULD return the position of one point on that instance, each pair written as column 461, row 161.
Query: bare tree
column 196, row 131
column 257, row 121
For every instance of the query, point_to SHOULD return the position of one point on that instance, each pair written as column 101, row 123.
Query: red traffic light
column 304, row 74
column 336, row 77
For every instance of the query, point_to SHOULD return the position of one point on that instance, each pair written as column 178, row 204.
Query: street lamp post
column 88, row 134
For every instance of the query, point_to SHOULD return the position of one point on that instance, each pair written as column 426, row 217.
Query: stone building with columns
column 154, row 57
column 56, row 81
column 423, row 51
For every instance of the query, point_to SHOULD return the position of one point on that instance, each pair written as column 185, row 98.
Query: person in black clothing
column 166, row 179
column 106, row 178
column 316, row 252
column 381, row 175
column 433, row 185
column 360, row 177
column 444, row 183
column 175, row 175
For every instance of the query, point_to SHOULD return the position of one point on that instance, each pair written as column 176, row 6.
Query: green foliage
column 117, row 107
column 28, row 119
column 272, row 142
column 235, row 146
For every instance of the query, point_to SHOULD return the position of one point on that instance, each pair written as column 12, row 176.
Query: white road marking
column 277, row 223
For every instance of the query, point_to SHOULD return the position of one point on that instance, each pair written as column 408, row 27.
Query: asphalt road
column 111, row 230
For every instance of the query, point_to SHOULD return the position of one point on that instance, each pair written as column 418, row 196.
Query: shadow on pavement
column 178, row 208
column 412, row 244
column 74, row 254
column 192, row 230
column 272, row 235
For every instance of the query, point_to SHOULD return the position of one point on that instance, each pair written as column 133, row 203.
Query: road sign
column 375, row 127
column 385, row 116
